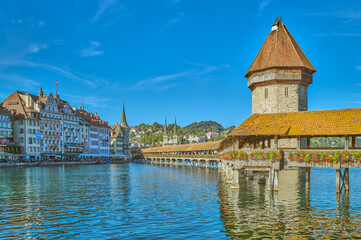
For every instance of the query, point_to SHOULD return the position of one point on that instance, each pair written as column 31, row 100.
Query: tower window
column 266, row 93
column 286, row 91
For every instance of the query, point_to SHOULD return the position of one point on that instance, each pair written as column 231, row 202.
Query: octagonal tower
column 280, row 74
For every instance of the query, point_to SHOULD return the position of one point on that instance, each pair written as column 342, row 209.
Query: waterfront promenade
column 64, row 162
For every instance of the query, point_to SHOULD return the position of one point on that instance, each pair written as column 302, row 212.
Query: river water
column 134, row 201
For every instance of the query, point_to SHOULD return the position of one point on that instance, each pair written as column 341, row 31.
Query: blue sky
column 167, row 56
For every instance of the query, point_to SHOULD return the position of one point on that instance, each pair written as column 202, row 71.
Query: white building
column 98, row 133
column 211, row 135
column 26, row 122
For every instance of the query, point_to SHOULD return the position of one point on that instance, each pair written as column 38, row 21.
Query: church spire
column 175, row 123
column 175, row 136
column 40, row 93
column 165, row 135
column 123, row 122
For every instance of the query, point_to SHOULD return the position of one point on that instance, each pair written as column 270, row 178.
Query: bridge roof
column 340, row 122
column 207, row 146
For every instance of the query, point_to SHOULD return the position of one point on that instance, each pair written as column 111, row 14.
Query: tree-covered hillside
column 208, row 126
column 152, row 134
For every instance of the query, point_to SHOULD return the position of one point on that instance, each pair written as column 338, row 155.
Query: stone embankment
column 47, row 164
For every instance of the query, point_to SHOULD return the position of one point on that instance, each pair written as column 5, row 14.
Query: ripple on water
column 133, row 201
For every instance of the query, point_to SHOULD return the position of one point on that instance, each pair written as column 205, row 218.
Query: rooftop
column 279, row 50
column 207, row 146
column 340, row 122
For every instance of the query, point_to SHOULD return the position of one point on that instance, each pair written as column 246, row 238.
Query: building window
column 266, row 93
column 286, row 91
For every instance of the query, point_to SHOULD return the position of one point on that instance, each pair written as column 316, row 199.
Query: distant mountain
column 207, row 126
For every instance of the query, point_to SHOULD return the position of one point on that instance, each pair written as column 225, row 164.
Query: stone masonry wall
column 276, row 99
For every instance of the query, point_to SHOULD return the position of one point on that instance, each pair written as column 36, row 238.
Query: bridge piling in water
column 342, row 180
column 272, row 184
column 308, row 178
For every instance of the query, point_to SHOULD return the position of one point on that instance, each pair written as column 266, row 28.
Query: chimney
column 96, row 114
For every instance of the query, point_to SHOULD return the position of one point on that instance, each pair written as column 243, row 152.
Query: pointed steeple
column 175, row 136
column 40, row 93
column 82, row 103
column 165, row 135
column 123, row 122
column 175, row 123
column 279, row 66
column 279, row 50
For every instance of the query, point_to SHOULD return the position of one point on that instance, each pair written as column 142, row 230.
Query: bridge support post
column 272, row 184
column 228, row 174
column 308, row 178
column 219, row 166
column 235, row 180
column 342, row 180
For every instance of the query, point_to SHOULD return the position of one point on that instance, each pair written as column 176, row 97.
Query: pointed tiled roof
column 123, row 122
column 279, row 50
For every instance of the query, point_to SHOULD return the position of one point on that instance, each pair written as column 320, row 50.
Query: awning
column 72, row 147
column 50, row 155
column 117, row 155
column 6, row 154
column 69, row 155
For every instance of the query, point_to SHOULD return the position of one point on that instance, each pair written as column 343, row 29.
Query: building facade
column 26, row 123
column 96, row 132
column 51, row 124
column 7, row 144
column 47, row 125
column 119, row 137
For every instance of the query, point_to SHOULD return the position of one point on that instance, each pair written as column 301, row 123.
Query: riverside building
column 46, row 125
column 7, row 144
column 98, row 132
column 51, row 123
column 119, row 136
column 26, row 122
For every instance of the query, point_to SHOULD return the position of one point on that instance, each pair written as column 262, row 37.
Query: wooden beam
column 308, row 141
column 298, row 142
column 346, row 143
column 276, row 142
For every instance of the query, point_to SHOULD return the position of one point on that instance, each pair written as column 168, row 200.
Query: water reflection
column 132, row 201
column 293, row 212
column 109, row 201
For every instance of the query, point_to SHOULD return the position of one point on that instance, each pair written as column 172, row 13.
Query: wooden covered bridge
column 274, row 142
column 277, row 137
